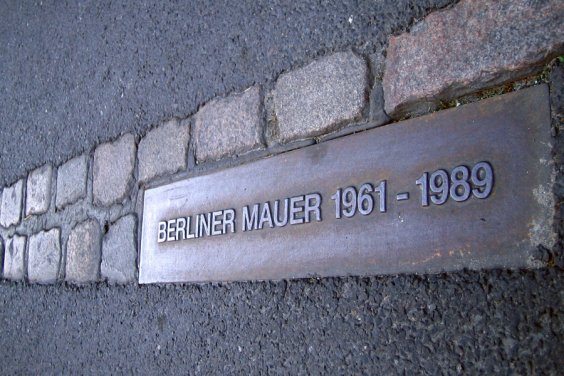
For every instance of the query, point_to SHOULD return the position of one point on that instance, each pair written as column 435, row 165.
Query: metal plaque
column 469, row 187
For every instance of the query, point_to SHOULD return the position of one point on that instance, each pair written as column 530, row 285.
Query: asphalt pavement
column 476, row 323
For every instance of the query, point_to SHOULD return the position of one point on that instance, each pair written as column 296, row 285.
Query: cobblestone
column 119, row 251
column 113, row 170
column 11, row 210
column 316, row 99
column 71, row 181
column 163, row 150
column 469, row 47
column 38, row 193
column 14, row 257
column 44, row 256
column 83, row 253
column 1, row 256
column 229, row 126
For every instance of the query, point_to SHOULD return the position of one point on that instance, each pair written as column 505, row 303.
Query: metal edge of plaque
column 510, row 133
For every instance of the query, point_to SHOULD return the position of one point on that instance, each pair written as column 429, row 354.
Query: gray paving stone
column 229, row 126
column 316, row 99
column 11, row 208
column 163, row 150
column 14, row 257
column 38, row 192
column 119, row 251
column 472, row 46
column 44, row 256
column 1, row 256
column 71, row 181
column 113, row 170
column 83, row 253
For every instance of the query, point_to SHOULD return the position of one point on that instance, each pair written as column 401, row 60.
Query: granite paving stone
column 44, row 256
column 229, row 126
column 83, row 253
column 38, row 193
column 113, row 170
column 119, row 251
column 318, row 98
column 14, row 257
column 163, row 150
column 1, row 256
column 71, row 181
column 11, row 208
column 471, row 46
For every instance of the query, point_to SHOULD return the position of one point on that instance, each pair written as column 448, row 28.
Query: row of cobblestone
column 98, row 191
column 91, row 253
column 335, row 87
column 39, row 256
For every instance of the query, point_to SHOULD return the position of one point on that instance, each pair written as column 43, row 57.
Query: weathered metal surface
column 493, row 217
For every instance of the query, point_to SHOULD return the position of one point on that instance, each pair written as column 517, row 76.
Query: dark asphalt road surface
column 476, row 323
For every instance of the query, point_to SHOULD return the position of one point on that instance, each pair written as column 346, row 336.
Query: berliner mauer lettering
column 464, row 188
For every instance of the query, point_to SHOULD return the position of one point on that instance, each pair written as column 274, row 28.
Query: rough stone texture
column 119, row 251
column 163, row 150
column 113, row 170
column 44, row 256
column 377, row 114
column 557, row 93
column 71, row 181
column 229, row 126
column 557, row 109
column 377, row 62
column 1, row 257
column 14, row 257
column 83, row 253
column 38, row 193
column 466, row 323
column 316, row 99
column 11, row 210
column 471, row 46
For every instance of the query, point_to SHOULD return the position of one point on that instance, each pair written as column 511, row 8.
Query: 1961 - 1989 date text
column 436, row 188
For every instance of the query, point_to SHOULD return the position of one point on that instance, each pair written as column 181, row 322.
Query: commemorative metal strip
column 469, row 187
